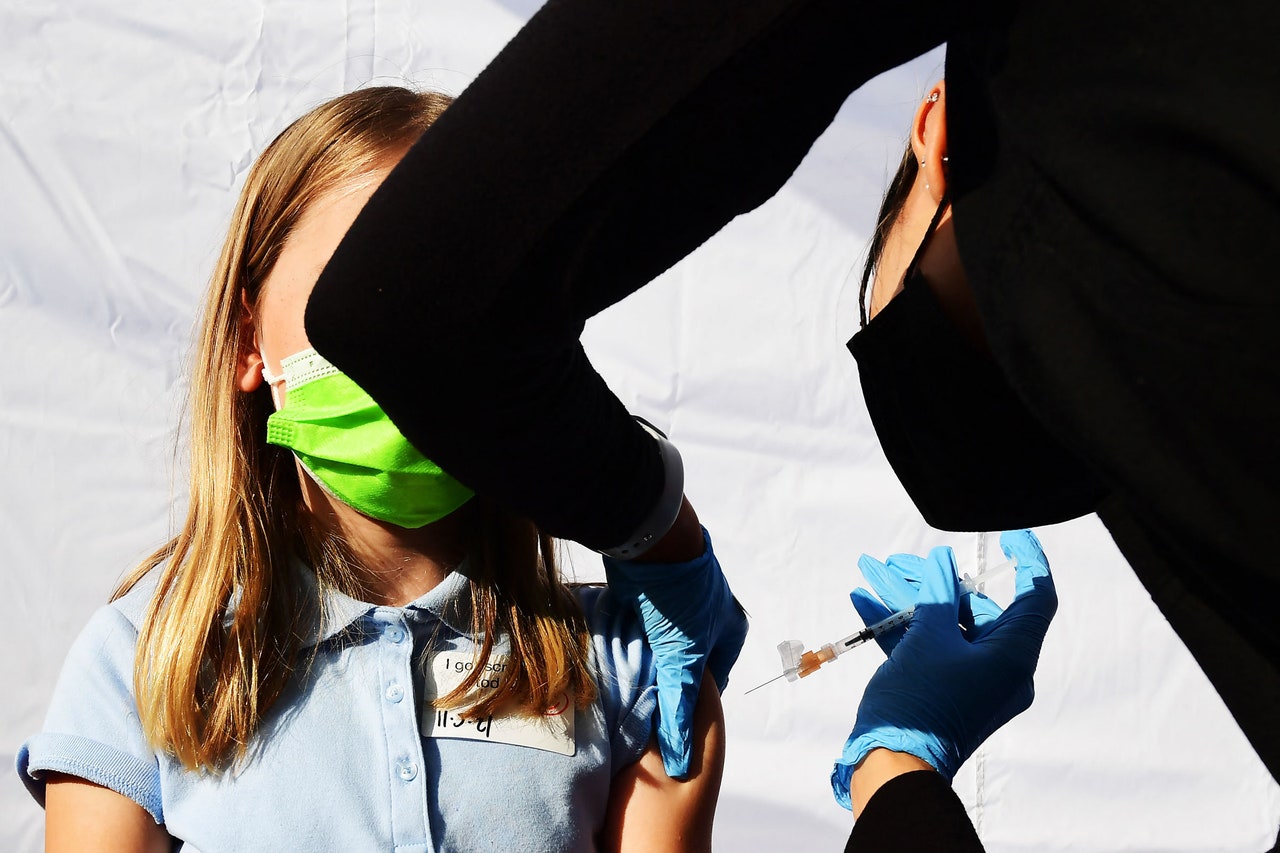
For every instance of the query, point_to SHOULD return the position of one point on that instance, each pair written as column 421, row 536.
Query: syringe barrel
column 897, row 620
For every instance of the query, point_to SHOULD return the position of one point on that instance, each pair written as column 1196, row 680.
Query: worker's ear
column 929, row 141
column 249, row 359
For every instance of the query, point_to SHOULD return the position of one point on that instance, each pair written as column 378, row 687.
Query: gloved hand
column 693, row 623
column 941, row 693
column 897, row 580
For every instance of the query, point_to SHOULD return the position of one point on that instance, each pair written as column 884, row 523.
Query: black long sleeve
column 459, row 294
column 914, row 813
column 1116, row 185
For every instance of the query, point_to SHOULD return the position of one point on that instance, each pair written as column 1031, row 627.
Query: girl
column 342, row 648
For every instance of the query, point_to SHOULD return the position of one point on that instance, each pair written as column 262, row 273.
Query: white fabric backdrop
column 125, row 130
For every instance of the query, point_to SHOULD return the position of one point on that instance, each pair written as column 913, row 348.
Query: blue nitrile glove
column 897, row 580
column 693, row 623
column 940, row 694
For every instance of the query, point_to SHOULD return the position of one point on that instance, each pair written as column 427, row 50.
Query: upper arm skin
column 83, row 816
column 649, row 812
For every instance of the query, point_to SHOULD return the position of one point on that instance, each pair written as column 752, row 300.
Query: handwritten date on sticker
column 443, row 671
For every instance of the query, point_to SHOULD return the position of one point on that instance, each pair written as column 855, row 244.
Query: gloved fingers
column 869, row 607
column 678, row 681
column 1022, row 626
column 872, row 611
column 977, row 613
column 938, row 604
column 897, row 583
column 1036, row 592
column 894, row 594
column 1021, row 629
column 728, row 642
column 720, row 663
column 890, row 582
column 1025, row 550
column 909, row 567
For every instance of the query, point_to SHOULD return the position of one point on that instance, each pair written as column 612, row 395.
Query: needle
column 770, row 681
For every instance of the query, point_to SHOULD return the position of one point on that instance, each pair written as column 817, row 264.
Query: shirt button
column 408, row 771
column 395, row 693
column 395, row 633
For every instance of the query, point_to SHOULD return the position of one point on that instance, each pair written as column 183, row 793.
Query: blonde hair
column 225, row 629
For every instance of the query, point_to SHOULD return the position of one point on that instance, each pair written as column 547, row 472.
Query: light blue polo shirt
column 341, row 762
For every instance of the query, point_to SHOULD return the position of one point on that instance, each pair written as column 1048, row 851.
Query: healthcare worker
column 1115, row 192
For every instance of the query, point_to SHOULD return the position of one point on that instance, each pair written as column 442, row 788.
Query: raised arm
column 601, row 146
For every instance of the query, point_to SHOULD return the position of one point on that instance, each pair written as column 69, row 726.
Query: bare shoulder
column 649, row 811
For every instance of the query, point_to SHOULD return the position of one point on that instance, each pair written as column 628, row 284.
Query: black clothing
column 1117, row 216
column 531, row 205
column 1116, row 188
column 994, row 467
column 914, row 811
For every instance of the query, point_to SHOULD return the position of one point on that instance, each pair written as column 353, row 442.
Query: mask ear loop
column 272, row 381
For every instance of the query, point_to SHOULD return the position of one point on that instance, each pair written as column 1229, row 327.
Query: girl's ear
column 249, row 360
column 929, row 141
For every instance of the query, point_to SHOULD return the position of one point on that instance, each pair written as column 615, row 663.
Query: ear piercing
column 932, row 98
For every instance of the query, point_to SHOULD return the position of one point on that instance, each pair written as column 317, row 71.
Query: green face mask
column 353, row 450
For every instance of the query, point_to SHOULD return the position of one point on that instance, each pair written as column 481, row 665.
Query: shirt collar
column 449, row 602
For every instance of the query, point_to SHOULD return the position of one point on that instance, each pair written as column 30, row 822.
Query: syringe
column 798, row 663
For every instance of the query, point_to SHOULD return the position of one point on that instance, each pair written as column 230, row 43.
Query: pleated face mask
column 352, row 449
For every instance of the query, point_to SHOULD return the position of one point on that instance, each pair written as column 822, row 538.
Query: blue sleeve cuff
column 92, row 761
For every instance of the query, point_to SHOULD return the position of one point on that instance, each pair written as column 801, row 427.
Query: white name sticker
column 443, row 671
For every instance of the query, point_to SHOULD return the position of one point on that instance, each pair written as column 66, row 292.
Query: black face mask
column 966, row 448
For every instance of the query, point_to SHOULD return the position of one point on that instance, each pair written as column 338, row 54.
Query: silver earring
column 933, row 98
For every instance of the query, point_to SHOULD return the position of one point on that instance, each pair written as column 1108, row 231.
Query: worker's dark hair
column 890, row 209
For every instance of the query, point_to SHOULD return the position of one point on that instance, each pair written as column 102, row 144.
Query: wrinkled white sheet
column 126, row 128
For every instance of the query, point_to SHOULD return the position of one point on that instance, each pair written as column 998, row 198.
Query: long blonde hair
column 224, row 631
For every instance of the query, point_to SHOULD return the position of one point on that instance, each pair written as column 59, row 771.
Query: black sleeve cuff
column 916, row 811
